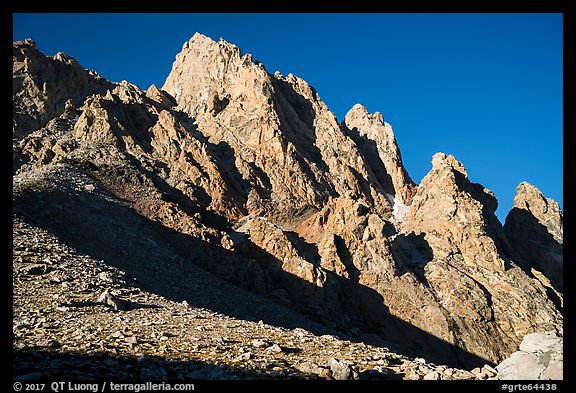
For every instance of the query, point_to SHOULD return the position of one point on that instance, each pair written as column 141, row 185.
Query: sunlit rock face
column 249, row 176
column 534, row 227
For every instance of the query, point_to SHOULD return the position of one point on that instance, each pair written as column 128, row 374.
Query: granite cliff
column 231, row 175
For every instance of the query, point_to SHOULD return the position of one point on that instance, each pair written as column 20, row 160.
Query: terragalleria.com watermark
column 101, row 387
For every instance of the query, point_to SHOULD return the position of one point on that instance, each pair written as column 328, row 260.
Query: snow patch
column 399, row 210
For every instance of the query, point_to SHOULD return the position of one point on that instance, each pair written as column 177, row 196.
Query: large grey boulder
column 540, row 358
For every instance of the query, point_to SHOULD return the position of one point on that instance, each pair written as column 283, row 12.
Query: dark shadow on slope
column 411, row 253
column 166, row 262
column 53, row 365
column 535, row 246
column 489, row 205
column 356, row 311
column 299, row 113
column 42, row 364
column 367, row 308
column 346, row 258
column 321, row 304
column 522, row 241
column 135, row 121
column 223, row 154
column 115, row 178
column 369, row 151
column 225, row 159
column 162, row 260
column 308, row 251
column 172, row 194
column 227, row 156
column 296, row 116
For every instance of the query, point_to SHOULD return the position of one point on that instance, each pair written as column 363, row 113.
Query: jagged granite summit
column 248, row 178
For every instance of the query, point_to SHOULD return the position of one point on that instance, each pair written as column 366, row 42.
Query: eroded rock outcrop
column 490, row 303
column 377, row 142
column 42, row 85
column 534, row 227
column 288, row 148
column 249, row 176
column 387, row 297
column 142, row 124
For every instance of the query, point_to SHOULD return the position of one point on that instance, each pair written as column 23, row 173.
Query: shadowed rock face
column 288, row 147
column 41, row 86
column 250, row 177
column 534, row 227
column 483, row 293
column 378, row 144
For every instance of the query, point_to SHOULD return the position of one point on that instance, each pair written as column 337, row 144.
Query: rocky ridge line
column 64, row 326
column 249, row 176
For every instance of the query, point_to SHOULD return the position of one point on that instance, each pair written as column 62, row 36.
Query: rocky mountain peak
column 211, row 65
column 228, row 171
column 441, row 161
column 449, row 174
column 271, row 121
column 201, row 43
column 42, row 85
column 456, row 220
column 301, row 87
column 28, row 42
column 360, row 111
column 534, row 227
column 545, row 210
column 378, row 144
column 447, row 205
column 64, row 58
column 160, row 96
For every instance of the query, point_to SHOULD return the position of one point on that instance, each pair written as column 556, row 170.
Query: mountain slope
column 249, row 178
column 42, row 86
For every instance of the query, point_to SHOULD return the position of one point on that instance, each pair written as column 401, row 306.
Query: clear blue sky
column 486, row 88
